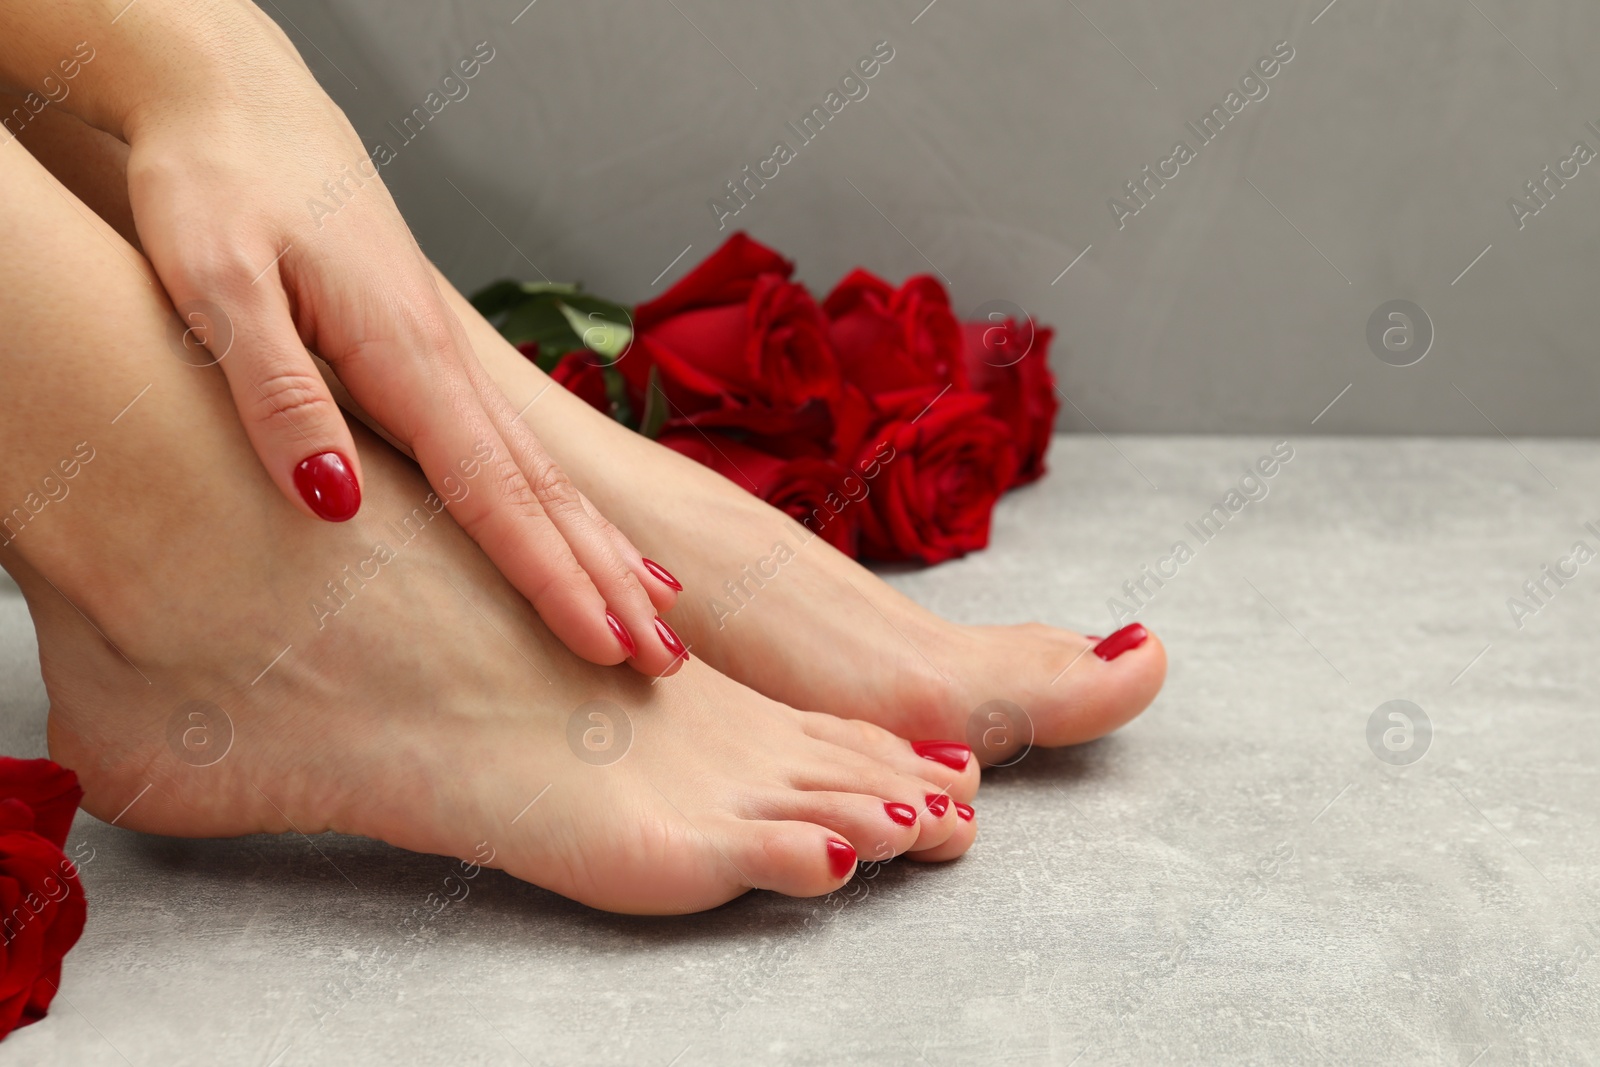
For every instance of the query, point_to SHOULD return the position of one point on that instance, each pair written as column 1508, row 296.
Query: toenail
column 624, row 638
column 328, row 486
column 670, row 639
column 841, row 858
column 663, row 574
column 952, row 754
column 938, row 804
column 965, row 811
column 1126, row 639
column 904, row 814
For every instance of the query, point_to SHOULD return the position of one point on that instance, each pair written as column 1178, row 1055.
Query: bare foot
column 771, row 605
column 825, row 634
column 218, row 663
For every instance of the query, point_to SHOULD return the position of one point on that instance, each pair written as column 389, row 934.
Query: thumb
column 296, row 429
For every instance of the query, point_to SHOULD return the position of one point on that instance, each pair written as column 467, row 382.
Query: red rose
column 811, row 491
column 41, row 902
column 822, row 431
column 50, row 790
column 934, row 470
column 1010, row 362
column 734, row 335
column 584, row 376
column 891, row 339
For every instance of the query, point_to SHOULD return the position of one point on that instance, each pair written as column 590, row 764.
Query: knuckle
column 516, row 497
column 294, row 395
column 619, row 584
column 601, row 523
column 561, row 585
column 431, row 328
column 518, row 490
column 496, row 513
column 550, row 484
column 214, row 267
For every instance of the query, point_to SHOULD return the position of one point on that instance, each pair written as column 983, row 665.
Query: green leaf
column 497, row 297
column 598, row 330
column 560, row 318
column 543, row 320
column 541, row 288
column 655, row 406
column 607, row 309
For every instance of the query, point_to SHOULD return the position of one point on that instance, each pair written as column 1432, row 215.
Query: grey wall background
column 1378, row 167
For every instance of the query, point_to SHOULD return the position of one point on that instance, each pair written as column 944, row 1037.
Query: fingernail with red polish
column 1124, row 640
column 952, row 754
column 904, row 814
column 841, row 858
column 965, row 811
column 624, row 638
column 663, row 574
column 938, row 804
column 327, row 483
column 670, row 639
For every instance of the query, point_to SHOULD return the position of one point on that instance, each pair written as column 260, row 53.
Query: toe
column 948, row 765
column 840, row 770
column 1105, row 685
column 798, row 859
column 1086, row 688
column 877, row 829
column 956, row 843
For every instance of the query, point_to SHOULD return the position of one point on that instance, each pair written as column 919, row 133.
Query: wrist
column 167, row 59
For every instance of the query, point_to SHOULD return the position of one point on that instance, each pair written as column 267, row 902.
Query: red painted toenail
column 624, row 638
column 1094, row 637
column 328, row 485
column 965, row 811
column 952, row 754
column 904, row 814
column 663, row 574
column 1126, row 639
column 670, row 639
column 938, row 804
column 841, row 858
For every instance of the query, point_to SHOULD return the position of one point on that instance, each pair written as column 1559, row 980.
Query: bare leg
column 827, row 634
column 218, row 663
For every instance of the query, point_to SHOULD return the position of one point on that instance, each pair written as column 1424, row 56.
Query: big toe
column 1091, row 686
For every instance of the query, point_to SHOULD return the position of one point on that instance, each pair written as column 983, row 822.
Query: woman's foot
column 421, row 703
column 825, row 634
column 218, row 663
column 772, row 606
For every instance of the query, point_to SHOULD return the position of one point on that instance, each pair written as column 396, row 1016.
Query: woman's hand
column 259, row 208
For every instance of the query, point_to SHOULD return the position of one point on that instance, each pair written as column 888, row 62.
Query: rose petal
column 48, row 788
column 724, row 277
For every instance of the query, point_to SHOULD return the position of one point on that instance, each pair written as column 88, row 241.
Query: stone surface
column 1235, row 877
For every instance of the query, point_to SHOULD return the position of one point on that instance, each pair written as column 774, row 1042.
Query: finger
column 658, row 582
column 412, row 379
column 657, row 650
column 290, row 417
column 342, row 397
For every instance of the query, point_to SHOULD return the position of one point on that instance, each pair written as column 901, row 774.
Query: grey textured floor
column 1236, row 877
